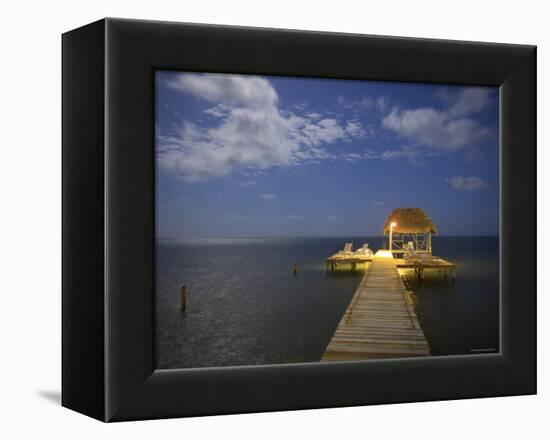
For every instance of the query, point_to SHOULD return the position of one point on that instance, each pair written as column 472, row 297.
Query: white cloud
column 355, row 129
column 445, row 95
column 218, row 111
column 472, row 183
column 406, row 152
column 294, row 217
column 314, row 115
column 367, row 103
column 249, row 91
column 267, row 196
column 379, row 202
column 469, row 101
column 352, row 157
column 446, row 130
column 331, row 217
column 324, row 131
column 382, row 103
column 393, row 154
column 251, row 132
column 248, row 183
column 361, row 155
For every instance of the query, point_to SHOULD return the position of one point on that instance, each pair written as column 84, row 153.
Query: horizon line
column 312, row 236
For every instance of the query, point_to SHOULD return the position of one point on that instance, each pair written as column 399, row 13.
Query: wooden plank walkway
column 379, row 321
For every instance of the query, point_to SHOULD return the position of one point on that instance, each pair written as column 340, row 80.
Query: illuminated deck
column 419, row 265
column 440, row 265
column 351, row 258
column 379, row 321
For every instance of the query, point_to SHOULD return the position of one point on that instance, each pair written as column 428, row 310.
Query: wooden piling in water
column 183, row 298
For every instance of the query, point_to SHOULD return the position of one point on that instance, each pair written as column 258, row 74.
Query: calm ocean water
column 246, row 307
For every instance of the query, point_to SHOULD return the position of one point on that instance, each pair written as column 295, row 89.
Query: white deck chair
column 347, row 249
column 364, row 250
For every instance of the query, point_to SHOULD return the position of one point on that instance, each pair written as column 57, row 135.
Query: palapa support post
column 453, row 279
column 295, row 270
column 183, row 298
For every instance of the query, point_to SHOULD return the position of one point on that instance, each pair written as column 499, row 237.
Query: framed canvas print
column 260, row 220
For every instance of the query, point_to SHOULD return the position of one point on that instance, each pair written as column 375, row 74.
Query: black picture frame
column 108, row 219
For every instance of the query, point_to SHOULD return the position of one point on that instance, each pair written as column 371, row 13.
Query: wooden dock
column 379, row 321
column 424, row 264
column 353, row 259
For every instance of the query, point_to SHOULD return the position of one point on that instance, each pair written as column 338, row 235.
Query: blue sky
column 251, row 156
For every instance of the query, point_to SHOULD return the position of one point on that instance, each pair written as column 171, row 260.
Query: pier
column 379, row 322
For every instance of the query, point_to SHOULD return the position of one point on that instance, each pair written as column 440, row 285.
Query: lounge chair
column 364, row 250
column 347, row 249
column 409, row 251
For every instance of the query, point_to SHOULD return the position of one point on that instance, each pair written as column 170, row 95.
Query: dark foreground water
column 246, row 307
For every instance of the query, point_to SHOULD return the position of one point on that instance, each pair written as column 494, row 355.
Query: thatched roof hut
column 410, row 221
